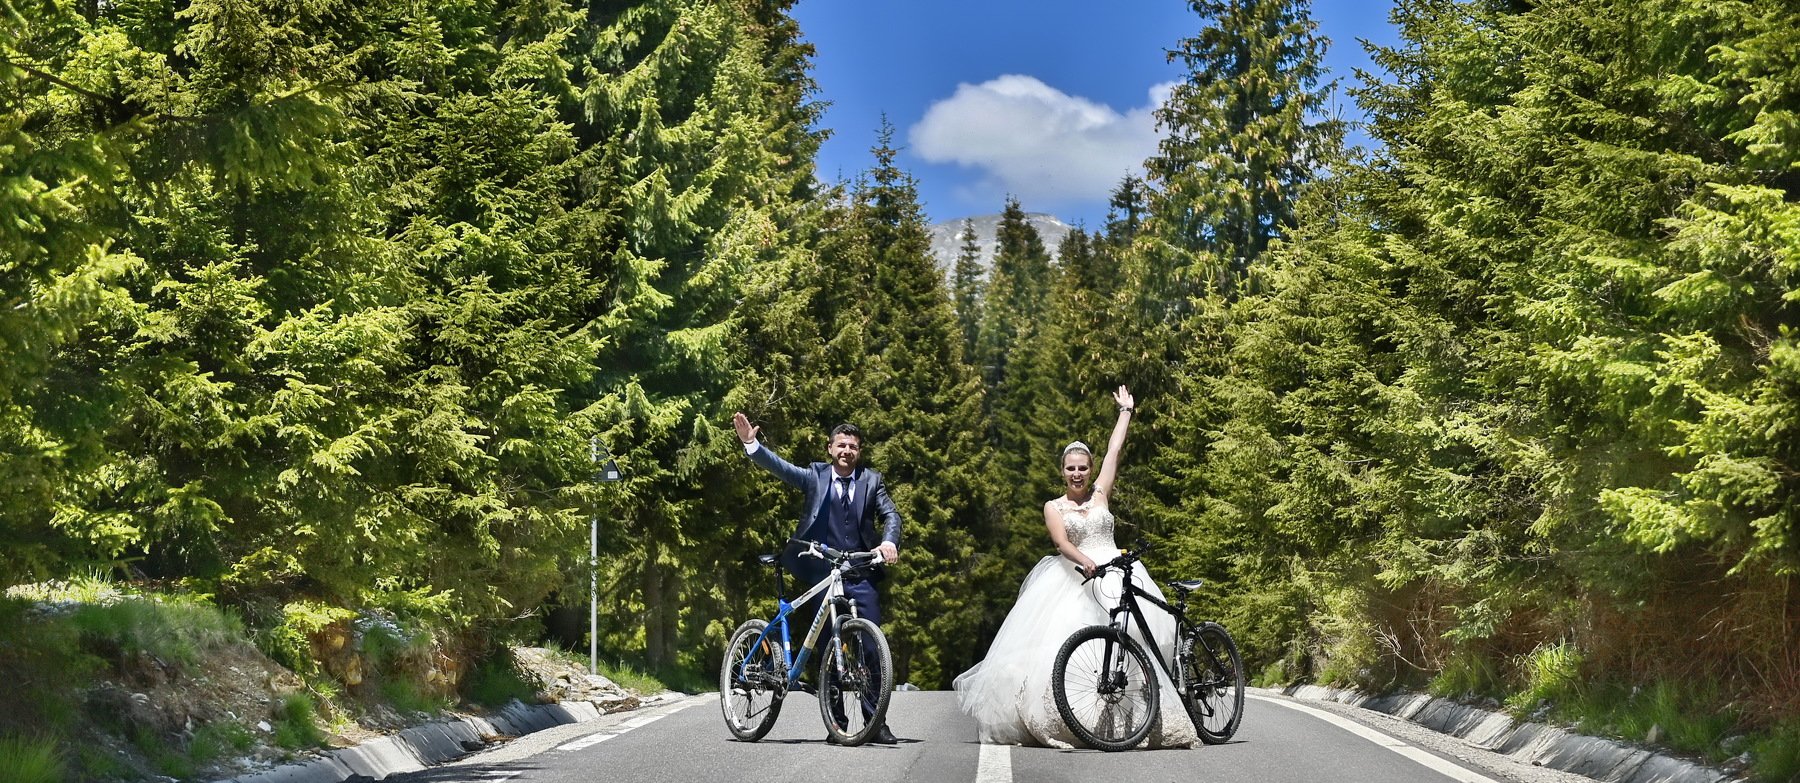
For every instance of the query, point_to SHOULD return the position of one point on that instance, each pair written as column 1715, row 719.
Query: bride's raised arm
column 1115, row 446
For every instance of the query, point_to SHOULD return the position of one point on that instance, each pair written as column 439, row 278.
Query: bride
column 1008, row 692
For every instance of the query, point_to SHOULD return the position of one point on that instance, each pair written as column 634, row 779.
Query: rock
column 620, row 705
column 1655, row 736
column 264, row 726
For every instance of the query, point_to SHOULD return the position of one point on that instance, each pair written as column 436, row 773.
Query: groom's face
column 845, row 451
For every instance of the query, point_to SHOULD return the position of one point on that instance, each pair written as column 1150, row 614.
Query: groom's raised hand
column 746, row 431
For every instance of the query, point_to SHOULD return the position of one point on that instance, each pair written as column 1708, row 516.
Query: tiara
column 1077, row 446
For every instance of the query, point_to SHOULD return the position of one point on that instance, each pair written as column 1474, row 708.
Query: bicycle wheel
column 855, row 683
column 1213, row 676
column 752, row 680
column 1104, row 687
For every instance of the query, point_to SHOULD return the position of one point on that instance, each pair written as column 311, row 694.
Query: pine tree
column 967, row 287
column 1244, row 135
column 924, row 422
column 1014, row 369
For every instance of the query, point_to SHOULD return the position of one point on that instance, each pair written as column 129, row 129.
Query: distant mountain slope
column 946, row 237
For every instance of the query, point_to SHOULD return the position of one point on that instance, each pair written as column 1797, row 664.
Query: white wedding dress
column 1008, row 692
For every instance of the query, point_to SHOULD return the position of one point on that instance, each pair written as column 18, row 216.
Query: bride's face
column 1076, row 467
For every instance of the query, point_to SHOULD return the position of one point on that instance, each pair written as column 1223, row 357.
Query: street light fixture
column 609, row 471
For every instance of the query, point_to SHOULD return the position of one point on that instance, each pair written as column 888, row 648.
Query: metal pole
column 593, row 595
column 594, row 573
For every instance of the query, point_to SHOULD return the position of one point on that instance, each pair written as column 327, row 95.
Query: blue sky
column 1048, row 100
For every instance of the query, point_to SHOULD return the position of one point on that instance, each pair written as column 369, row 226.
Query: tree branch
column 115, row 103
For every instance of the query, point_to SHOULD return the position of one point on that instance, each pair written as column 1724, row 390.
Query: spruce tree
column 968, row 287
column 1245, row 133
column 924, row 422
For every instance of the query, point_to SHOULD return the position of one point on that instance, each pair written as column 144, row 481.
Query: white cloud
column 1035, row 141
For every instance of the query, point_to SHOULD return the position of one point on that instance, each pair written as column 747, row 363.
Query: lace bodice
column 1089, row 525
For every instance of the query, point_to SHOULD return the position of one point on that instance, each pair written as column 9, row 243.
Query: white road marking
column 1440, row 765
column 641, row 721
column 638, row 722
column 587, row 741
column 995, row 765
column 497, row 776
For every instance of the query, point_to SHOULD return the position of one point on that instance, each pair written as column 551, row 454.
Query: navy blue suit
column 870, row 519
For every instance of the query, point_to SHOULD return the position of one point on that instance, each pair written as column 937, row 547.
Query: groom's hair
column 846, row 429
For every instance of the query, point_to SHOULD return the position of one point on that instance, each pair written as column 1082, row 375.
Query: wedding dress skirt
column 1008, row 692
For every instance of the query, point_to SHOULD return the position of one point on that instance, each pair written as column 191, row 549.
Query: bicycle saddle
column 768, row 559
column 1186, row 585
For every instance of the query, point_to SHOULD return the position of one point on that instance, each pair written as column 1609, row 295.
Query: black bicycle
column 1106, row 691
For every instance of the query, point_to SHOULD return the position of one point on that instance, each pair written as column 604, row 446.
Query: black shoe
column 807, row 687
column 884, row 737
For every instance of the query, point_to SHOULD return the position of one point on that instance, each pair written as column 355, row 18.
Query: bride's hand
column 1123, row 398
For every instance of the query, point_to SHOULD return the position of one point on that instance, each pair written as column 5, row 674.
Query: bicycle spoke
column 1104, row 689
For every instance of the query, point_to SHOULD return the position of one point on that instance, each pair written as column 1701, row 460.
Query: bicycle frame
column 1128, row 605
column 832, row 586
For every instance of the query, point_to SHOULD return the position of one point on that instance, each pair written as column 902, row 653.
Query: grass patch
column 496, row 681
column 1777, row 756
column 178, row 629
column 98, row 764
column 41, row 668
column 1688, row 719
column 1552, row 675
column 643, row 681
column 1466, row 675
column 296, row 727
column 406, row 695
column 214, row 741
column 26, row 759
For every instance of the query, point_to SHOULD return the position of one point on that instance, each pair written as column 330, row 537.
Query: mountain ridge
column 946, row 236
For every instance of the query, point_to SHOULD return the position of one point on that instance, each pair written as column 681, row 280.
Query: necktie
column 844, row 491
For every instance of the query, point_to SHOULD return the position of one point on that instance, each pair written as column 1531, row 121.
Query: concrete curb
column 431, row 744
column 1532, row 743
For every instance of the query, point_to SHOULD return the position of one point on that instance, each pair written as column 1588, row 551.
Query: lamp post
column 608, row 471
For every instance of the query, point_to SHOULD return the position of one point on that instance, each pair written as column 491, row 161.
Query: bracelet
column 1127, row 408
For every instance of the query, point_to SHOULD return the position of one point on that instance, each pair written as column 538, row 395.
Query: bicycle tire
column 752, row 682
column 1108, row 713
column 1213, row 691
column 868, row 673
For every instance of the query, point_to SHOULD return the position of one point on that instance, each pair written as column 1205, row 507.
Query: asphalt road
column 1282, row 741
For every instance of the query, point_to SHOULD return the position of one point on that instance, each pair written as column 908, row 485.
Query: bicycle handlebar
column 823, row 552
column 1125, row 558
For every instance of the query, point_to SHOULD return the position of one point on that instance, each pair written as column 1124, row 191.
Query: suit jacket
column 873, row 511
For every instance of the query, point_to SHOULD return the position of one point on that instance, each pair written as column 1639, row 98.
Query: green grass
column 178, row 629
column 295, row 724
column 408, row 696
column 1466, row 675
column 214, row 741
column 31, row 760
column 497, row 681
column 41, row 668
column 1552, row 674
column 1777, row 755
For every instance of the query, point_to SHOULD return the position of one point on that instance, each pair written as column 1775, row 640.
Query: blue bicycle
column 856, row 671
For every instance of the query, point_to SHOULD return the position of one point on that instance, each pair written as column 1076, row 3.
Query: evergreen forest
column 316, row 310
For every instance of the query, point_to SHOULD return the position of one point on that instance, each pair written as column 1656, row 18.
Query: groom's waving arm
column 767, row 458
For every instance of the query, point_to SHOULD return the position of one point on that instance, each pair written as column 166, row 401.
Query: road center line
column 995, row 765
column 587, row 741
column 1448, row 769
column 643, row 721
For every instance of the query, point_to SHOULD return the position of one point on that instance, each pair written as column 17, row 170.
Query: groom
column 844, row 502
